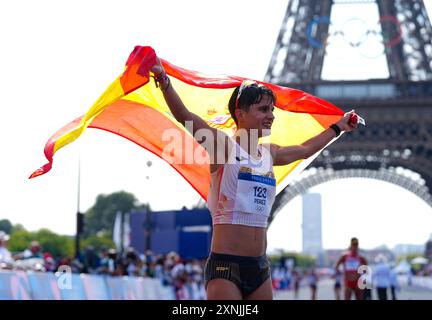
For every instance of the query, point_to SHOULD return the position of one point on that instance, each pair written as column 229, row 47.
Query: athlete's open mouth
column 267, row 125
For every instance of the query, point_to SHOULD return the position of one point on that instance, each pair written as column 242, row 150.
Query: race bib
column 255, row 193
column 352, row 264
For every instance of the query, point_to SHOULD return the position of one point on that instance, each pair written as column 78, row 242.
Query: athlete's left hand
column 348, row 122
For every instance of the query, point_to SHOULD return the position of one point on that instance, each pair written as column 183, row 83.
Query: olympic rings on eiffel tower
column 362, row 35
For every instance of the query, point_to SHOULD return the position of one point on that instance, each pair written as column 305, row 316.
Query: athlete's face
column 354, row 247
column 260, row 116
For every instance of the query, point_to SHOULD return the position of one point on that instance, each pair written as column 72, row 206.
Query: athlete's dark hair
column 250, row 95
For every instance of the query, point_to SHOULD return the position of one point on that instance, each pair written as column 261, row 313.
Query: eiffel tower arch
column 396, row 144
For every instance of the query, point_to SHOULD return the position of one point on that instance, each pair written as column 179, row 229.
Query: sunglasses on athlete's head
column 244, row 85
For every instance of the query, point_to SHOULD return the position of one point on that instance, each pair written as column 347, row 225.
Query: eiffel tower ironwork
column 396, row 145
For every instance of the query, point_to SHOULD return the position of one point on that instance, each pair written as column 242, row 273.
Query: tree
column 6, row 226
column 57, row 245
column 20, row 240
column 98, row 241
column 100, row 217
column 17, row 227
column 201, row 204
column 301, row 260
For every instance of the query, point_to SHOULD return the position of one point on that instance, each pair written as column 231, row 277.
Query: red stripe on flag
column 49, row 147
column 137, row 70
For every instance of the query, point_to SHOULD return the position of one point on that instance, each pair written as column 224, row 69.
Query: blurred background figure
column 296, row 279
column 103, row 261
column 313, row 283
column 394, row 284
column 50, row 264
column 33, row 252
column 6, row 260
column 337, row 284
column 381, row 277
column 31, row 258
column 277, row 278
column 366, row 279
column 133, row 263
column 91, row 260
column 351, row 262
column 113, row 265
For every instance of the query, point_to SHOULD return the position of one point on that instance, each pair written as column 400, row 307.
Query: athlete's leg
column 393, row 292
column 313, row 292
column 367, row 294
column 296, row 290
column 347, row 293
column 263, row 292
column 222, row 289
column 359, row 294
column 337, row 293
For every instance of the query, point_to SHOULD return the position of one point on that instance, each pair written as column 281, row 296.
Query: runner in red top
column 351, row 262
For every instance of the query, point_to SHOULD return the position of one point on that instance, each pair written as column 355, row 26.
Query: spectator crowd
column 184, row 275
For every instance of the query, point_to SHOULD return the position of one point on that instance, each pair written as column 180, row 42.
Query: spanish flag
column 134, row 108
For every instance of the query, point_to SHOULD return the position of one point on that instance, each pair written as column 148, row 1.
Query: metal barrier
column 20, row 285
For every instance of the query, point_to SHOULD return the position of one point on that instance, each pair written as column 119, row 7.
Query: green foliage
column 57, row 245
column 99, row 223
column 97, row 241
column 20, row 240
column 411, row 256
column 301, row 261
column 17, row 227
column 408, row 257
column 100, row 217
column 6, row 226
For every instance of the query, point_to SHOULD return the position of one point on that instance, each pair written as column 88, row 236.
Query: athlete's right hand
column 158, row 69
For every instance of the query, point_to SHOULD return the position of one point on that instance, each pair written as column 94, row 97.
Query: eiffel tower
column 396, row 145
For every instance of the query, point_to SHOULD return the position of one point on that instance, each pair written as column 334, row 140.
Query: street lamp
column 79, row 215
